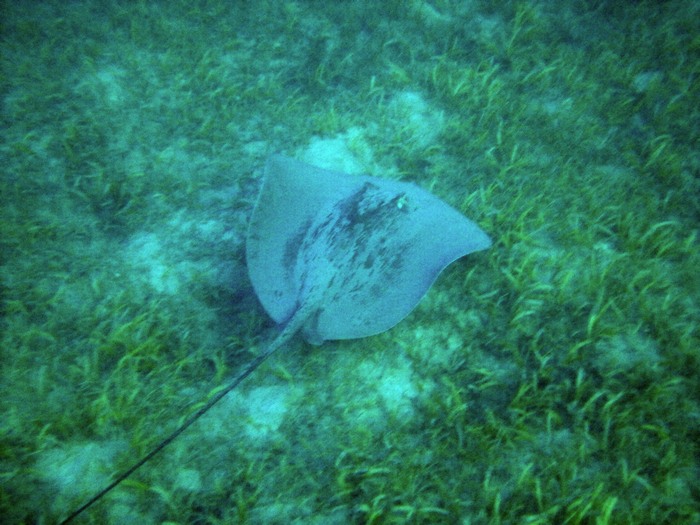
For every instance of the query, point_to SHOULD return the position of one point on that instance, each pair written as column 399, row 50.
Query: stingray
column 338, row 256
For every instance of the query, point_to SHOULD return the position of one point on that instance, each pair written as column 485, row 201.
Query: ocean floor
column 552, row 378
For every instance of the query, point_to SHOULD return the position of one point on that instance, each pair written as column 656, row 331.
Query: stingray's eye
column 401, row 201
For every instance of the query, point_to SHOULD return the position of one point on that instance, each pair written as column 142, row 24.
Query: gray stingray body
column 342, row 256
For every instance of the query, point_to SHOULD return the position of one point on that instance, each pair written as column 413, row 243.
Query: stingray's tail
column 194, row 417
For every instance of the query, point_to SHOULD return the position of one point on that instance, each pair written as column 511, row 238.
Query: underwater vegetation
column 550, row 379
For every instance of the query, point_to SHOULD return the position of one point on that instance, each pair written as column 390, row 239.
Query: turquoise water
column 550, row 379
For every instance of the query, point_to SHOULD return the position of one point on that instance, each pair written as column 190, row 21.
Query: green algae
column 552, row 379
